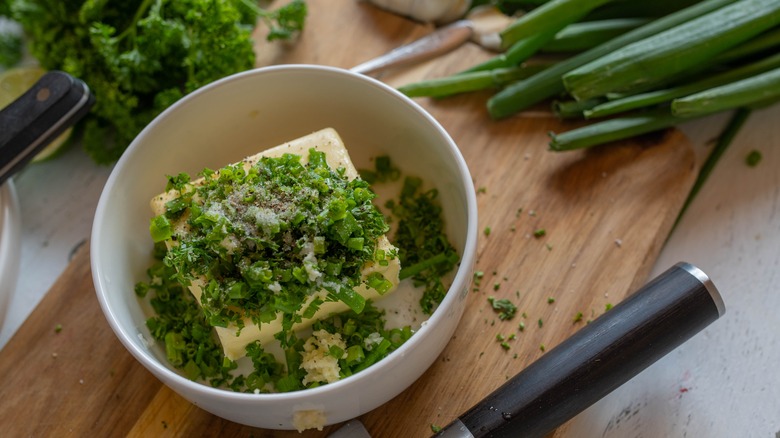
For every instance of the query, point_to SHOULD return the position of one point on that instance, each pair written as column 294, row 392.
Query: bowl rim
column 10, row 246
column 460, row 281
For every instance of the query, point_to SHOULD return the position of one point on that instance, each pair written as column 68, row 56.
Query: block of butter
column 234, row 341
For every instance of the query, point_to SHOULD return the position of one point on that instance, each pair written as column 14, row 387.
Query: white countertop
column 722, row 383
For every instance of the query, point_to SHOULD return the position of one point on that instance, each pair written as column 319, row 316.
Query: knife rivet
column 43, row 94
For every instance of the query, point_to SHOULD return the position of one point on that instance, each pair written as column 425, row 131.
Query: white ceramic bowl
column 239, row 116
column 10, row 245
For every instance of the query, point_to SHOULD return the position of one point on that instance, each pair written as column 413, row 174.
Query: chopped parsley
column 753, row 158
column 424, row 250
column 506, row 309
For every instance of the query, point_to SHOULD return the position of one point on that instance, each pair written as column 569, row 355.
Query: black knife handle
column 46, row 110
column 596, row 359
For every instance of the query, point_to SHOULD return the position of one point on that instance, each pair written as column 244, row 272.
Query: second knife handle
column 598, row 358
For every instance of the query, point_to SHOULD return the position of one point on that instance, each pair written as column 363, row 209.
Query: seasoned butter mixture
column 280, row 240
column 275, row 273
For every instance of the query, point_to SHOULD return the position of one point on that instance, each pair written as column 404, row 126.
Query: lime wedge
column 13, row 83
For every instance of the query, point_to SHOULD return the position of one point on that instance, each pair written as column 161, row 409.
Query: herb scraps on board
column 138, row 57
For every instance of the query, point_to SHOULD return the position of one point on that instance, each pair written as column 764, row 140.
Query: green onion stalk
column 525, row 93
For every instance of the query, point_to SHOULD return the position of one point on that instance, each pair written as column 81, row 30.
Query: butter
column 234, row 341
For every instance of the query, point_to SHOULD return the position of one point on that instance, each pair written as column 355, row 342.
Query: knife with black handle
column 597, row 359
column 52, row 105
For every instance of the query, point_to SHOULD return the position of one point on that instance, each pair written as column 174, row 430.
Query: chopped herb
column 753, row 158
column 496, row 286
column 435, row 428
column 505, row 346
column 420, row 237
column 607, row 307
column 541, row 348
column 521, row 326
column 550, row 300
column 482, row 190
column 540, row 323
column 57, row 328
column 384, row 171
column 577, row 317
column 540, row 232
column 500, row 337
column 506, row 309
column 478, row 275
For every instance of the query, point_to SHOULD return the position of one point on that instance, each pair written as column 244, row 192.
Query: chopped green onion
column 160, row 228
column 411, row 271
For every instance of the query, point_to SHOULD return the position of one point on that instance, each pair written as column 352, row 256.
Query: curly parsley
column 140, row 56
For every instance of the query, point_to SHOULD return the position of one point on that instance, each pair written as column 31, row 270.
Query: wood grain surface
column 605, row 214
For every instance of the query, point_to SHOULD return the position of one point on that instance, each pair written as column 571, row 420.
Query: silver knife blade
column 351, row 429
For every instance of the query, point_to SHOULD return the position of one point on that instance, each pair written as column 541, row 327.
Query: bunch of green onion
column 616, row 60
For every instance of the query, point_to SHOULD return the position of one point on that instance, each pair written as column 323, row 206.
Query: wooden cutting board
column 605, row 214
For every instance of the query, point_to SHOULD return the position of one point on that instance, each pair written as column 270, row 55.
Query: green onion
column 374, row 355
column 468, row 82
column 550, row 17
column 378, row 282
column 348, row 296
column 665, row 54
column 160, row 228
column 516, row 54
column 578, row 37
column 666, row 95
column 612, row 130
column 525, row 93
column 765, row 41
column 759, row 88
column 411, row 271
column 632, row 8
column 574, row 108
